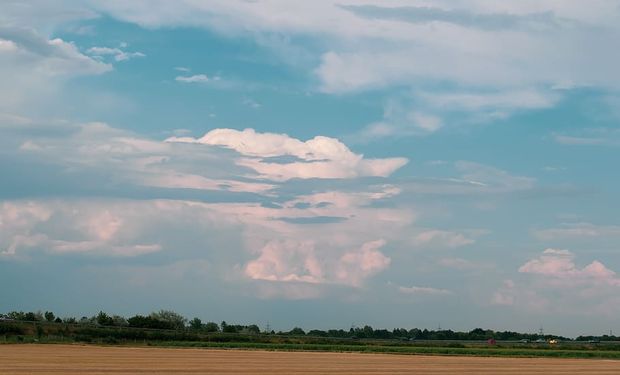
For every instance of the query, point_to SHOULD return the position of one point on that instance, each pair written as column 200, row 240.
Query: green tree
column 195, row 324
column 104, row 319
column 141, row 321
column 211, row 327
column 119, row 321
column 228, row 328
column 49, row 316
column 297, row 331
column 39, row 330
column 176, row 320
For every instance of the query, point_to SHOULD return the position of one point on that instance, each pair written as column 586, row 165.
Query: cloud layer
column 319, row 157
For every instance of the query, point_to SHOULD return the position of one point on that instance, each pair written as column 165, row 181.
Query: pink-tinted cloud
column 559, row 264
column 319, row 157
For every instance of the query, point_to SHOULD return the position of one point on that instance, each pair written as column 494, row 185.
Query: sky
column 321, row 164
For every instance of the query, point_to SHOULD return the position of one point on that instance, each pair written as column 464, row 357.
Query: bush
column 12, row 329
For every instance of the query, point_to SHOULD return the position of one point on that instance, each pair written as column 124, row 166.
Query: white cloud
column 590, row 137
column 553, row 283
column 26, row 50
column 319, row 157
column 133, row 160
column 295, row 261
column 289, row 240
column 196, row 78
column 33, row 68
column 510, row 56
column 559, row 265
column 70, row 227
column 498, row 59
column 119, row 54
column 355, row 266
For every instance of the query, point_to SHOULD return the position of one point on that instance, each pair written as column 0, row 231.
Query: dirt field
column 75, row 359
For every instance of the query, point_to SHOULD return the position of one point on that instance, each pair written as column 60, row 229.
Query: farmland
column 64, row 333
column 63, row 359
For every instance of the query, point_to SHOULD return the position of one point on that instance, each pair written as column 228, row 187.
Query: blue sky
column 314, row 164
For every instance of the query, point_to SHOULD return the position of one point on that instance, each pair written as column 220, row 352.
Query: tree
column 195, row 324
column 253, row 329
column 49, row 316
column 57, row 320
column 140, row 321
column 176, row 320
column 297, row 331
column 119, row 321
column 30, row 316
column 227, row 328
column 211, row 327
column 104, row 319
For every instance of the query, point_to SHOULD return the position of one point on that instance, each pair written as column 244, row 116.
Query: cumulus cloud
column 295, row 261
column 319, row 157
column 554, row 283
column 559, row 264
column 131, row 159
column 69, row 228
column 293, row 244
column 317, row 252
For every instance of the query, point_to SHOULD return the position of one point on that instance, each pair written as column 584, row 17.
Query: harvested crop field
column 78, row 359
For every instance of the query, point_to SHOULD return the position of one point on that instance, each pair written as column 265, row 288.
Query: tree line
column 170, row 320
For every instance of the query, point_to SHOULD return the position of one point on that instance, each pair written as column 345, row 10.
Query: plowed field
column 77, row 359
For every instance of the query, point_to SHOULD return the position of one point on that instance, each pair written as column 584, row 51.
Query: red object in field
column 491, row 341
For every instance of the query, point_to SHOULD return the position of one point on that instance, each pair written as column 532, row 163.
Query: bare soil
column 81, row 359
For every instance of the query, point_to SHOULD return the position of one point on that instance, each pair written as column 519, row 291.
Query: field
column 83, row 359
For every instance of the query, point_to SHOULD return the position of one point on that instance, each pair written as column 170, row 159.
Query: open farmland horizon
column 36, row 325
column 272, row 172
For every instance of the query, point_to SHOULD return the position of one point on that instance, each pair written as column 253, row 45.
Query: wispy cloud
column 589, row 137
column 196, row 78
column 117, row 53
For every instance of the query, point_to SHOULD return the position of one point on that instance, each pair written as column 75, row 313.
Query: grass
column 486, row 352
column 339, row 348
